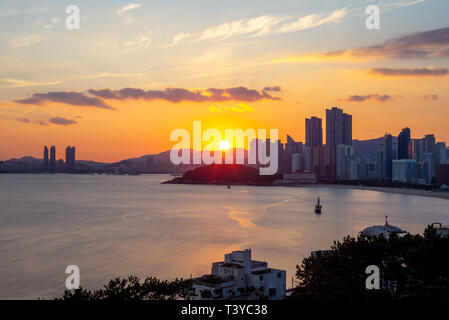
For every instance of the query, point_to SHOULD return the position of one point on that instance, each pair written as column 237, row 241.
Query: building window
column 279, row 275
column 272, row 292
column 260, row 278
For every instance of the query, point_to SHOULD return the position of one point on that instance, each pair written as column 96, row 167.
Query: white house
column 239, row 277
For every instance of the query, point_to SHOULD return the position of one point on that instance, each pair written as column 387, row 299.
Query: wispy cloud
column 179, row 37
column 421, row 45
column 260, row 26
column 140, row 43
column 128, row 8
column 55, row 120
column 313, row 20
column 410, row 72
column 274, row 88
column 17, row 83
column 362, row 98
column 430, row 97
column 250, row 27
column 24, row 40
column 62, row 121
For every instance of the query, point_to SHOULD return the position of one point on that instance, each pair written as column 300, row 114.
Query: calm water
column 122, row 225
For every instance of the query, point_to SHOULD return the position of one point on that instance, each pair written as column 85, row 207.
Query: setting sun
column 224, row 145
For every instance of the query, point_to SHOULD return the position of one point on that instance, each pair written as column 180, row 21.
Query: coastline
column 403, row 191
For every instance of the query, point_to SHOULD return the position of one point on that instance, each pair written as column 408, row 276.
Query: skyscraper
column 291, row 147
column 70, row 159
column 45, row 164
column 52, row 166
column 314, row 132
column 404, row 144
column 388, row 157
column 338, row 127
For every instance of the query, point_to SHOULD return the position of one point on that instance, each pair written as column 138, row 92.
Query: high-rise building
column 404, row 144
column 323, row 158
column 45, row 164
column 440, row 153
column 52, row 165
column 388, row 158
column 314, row 132
column 291, row 147
column 405, row 170
column 70, row 159
column 380, row 163
column 344, row 154
column 338, row 127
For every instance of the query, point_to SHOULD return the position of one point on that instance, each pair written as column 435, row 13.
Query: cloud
column 362, row 98
column 177, row 95
column 140, row 43
column 274, row 89
column 70, row 98
column 23, row 120
column 16, row 83
column 261, row 25
column 420, row 45
column 38, row 122
column 179, row 37
column 25, row 40
column 41, row 123
column 62, row 121
column 128, row 8
column 255, row 27
column 430, row 97
column 410, row 71
column 313, row 20
column 426, row 44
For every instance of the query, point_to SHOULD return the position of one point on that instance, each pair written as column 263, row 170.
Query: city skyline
column 120, row 84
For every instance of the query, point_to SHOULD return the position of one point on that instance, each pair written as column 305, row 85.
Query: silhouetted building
column 290, row 148
column 404, row 144
column 70, row 159
column 52, row 165
column 442, row 174
column 344, row 157
column 45, row 164
column 338, row 127
column 314, row 132
column 324, row 161
column 405, row 170
column 388, row 158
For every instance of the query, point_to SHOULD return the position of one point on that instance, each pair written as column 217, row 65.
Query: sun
column 223, row 145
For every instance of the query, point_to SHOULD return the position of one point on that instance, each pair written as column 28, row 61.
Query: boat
column 318, row 206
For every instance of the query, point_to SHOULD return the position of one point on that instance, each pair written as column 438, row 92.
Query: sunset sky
column 135, row 71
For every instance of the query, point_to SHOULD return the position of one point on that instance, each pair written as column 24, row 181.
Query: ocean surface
column 112, row 226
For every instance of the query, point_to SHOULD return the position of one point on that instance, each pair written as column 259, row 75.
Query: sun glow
column 224, row 145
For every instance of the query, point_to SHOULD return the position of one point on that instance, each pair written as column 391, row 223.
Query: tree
column 411, row 266
column 133, row 289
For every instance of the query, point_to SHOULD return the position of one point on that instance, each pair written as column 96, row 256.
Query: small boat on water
column 318, row 207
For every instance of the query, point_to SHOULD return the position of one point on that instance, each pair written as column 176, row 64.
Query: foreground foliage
column 133, row 289
column 411, row 267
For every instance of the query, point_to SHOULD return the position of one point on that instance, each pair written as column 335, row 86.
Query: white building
column 405, row 170
column 239, row 277
column 296, row 162
column 343, row 155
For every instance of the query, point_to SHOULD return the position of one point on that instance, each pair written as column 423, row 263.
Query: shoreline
column 402, row 191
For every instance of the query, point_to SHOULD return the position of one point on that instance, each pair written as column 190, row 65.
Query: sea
column 118, row 225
